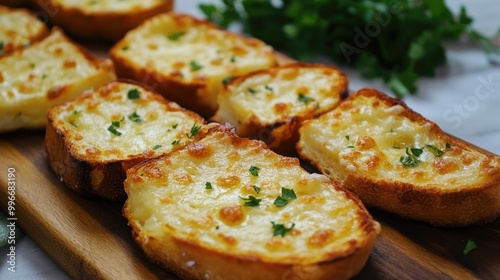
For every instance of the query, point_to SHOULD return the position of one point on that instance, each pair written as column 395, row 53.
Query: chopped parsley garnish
column 44, row 76
column 233, row 59
column 350, row 147
column 305, row 99
column 156, row 147
column 411, row 159
column 448, row 145
column 1, row 47
column 252, row 91
column 216, row 227
column 280, row 201
column 286, row 196
column 112, row 128
column 268, row 88
column 175, row 36
column 175, row 126
column 256, row 189
column 471, row 245
column 347, row 137
column 134, row 117
column 194, row 130
column 280, row 229
column 73, row 124
column 125, row 48
column 133, row 94
column 75, row 112
column 226, row 80
column 208, row 186
column 437, row 152
column 175, row 142
column 254, row 170
column 194, row 66
column 32, row 65
column 251, row 201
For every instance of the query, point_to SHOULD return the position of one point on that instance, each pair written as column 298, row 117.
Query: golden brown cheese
column 45, row 74
column 228, row 208
column 189, row 53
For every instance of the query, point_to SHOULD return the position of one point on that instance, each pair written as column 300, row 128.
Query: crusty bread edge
column 281, row 136
column 190, row 260
column 440, row 207
column 77, row 172
column 103, row 25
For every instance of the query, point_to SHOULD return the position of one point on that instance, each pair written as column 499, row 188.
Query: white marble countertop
column 464, row 100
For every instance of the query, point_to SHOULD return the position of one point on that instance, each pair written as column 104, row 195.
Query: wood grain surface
column 89, row 238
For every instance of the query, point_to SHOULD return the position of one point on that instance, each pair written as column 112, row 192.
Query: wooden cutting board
column 90, row 239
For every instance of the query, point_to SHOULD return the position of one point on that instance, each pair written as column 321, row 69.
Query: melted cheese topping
column 92, row 6
column 146, row 124
column 18, row 29
column 168, row 197
column 195, row 52
column 368, row 137
column 45, row 74
column 280, row 93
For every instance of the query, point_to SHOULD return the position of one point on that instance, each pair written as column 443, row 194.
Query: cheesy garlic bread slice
column 394, row 159
column 226, row 207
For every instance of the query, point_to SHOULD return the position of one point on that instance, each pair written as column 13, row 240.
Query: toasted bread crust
column 280, row 130
column 100, row 172
column 13, row 3
column 20, row 28
column 192, row 258
column 459, row 204
column 107, row 25
column 198, row 92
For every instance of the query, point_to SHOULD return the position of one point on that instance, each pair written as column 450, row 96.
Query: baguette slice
column 207, row 212
column 270, row 104
column 106, row 20
column 48, row 72
column 19, row 28
column 394, row 159
column 91, row 141
column 186, row 59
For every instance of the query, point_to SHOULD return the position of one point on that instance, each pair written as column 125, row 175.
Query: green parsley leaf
column 133, row 94
column 73, row 124
column 347, row 137
column 175, row 142
column 175, row 126
column 448, row 145
column 257, row 189
column 208, row 186
column 437, row 152
column 288, row 194
column 194, row 66
column 251, row 201
column 471, row 245
column 268, row 88
column 194, row 130
column 75, row 112
column 125, row 48
column 280, row 229
column 112, row 128
column 233, row 59
column 252, row 91
column 156, row 147
column 226, row 80
column 254, row 170
column 350, row 147
column 175, row 36
column 304, row 99
column 280, row 201
column 134, row 117
column 410, row 160
column 416, row 151
column 1, row 47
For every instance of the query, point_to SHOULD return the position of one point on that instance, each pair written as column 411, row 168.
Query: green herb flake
column 437, row 152
column 134, row 117
column 175, row 36
column 175, row 126
column 416, row 151
column 1, row 47
column 251, row 201
column 268, row 88
column 305, row 99
column 350, row 147
column 217, row 227
column 410, row 159
column 156, row 147
column 280, row 201
column 194, row 130
column 175, row 142
column 254, row 170
column 32, row 65
column 73, row 123
column 280, row 229
column 194, row 66
column 226, row 80
column 44, row 76
column 76, row 112
column 448, row 145
column 133, row 94
column 347, row 137
column 471, row 245
column 112, row 128
column 256, row 189
column 288, row 194
column 208, row 186
column 125, row 48
column 233, row 59
column 252, row 91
